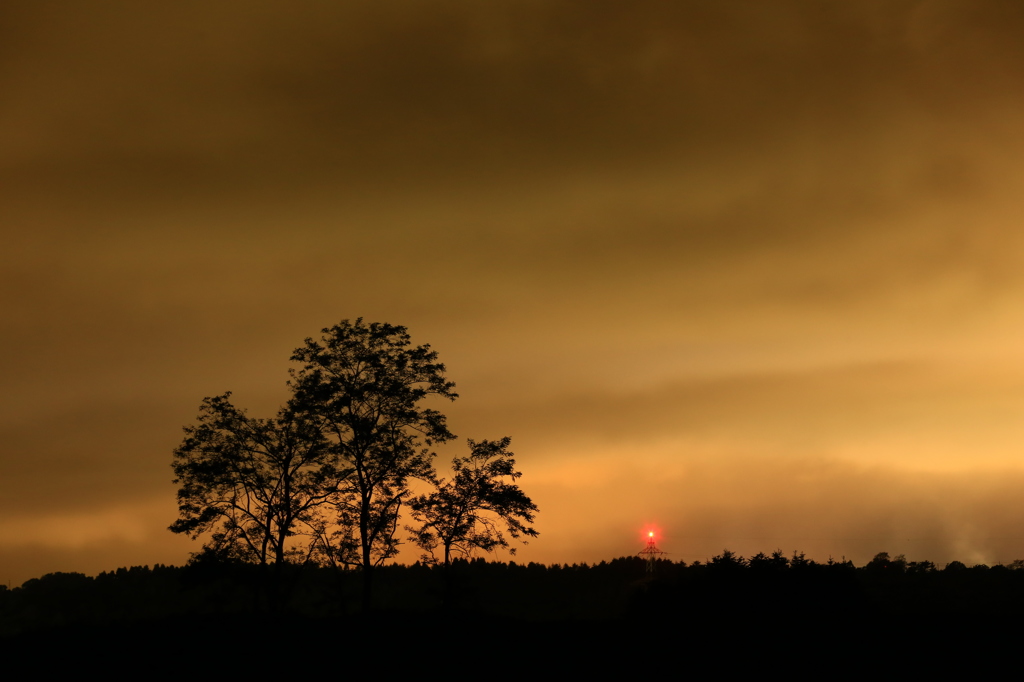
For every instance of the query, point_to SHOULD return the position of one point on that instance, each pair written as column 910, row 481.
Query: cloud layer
column 723, row 268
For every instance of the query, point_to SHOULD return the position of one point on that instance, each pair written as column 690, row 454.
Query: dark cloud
column 765, row 230
column 182, row 95
column 78, row 459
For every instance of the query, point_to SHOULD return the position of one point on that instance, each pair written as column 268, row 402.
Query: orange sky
column 748, row 271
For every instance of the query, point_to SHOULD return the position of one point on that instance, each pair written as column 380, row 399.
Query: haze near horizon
column 747, row 272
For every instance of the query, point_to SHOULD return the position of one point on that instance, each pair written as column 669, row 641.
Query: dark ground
column 503, row 621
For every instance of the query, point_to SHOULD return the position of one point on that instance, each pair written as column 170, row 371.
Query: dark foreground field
column 725, row 617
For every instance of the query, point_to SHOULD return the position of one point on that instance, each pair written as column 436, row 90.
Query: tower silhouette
column 650, row 552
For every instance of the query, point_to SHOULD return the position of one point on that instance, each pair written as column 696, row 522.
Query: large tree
column 475, row 507
column 252, row 483
column 365, row 387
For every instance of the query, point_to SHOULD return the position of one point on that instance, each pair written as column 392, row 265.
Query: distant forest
column 733, row 612
column 621, row 588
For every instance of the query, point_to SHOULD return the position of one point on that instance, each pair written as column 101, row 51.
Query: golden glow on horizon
column 762, row 283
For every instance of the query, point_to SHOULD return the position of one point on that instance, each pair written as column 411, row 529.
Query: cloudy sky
column 751, row 273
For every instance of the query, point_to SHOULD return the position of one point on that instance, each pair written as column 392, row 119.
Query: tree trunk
column 367, row 547
column 449, row 590
column 367, row 588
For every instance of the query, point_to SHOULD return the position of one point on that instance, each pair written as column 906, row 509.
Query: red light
column 650, row 532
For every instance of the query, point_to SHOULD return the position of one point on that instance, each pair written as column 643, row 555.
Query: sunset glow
column 754, row 271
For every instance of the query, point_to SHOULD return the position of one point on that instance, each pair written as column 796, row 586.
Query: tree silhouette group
column 326, row 479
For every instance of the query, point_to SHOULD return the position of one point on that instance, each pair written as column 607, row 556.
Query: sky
column 748, row 273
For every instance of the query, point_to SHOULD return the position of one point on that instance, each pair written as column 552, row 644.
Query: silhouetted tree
column 920, row 567
column 363, row 385
column 776, row 562
column 476, row 507
column 252, row 482
column 727, row 561
column 882, row 562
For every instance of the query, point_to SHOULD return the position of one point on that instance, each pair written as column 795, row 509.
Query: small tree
column 362, row 385
column 476, row 507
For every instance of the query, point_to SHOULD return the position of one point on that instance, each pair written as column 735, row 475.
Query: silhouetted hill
column 729, row 611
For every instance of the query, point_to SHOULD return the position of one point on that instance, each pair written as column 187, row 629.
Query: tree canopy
column 363, row 386
column 476, row 506
column 253, row 482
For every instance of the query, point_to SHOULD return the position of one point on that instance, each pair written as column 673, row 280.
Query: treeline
column 724, row 586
